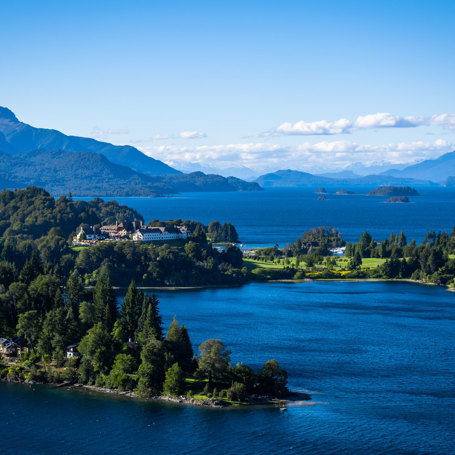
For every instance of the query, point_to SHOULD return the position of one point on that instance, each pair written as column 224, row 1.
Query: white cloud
column 446, row 121
column 192, row 135
column 387, row 120
column 311, row 157
column 370, row 121
column 340, row 126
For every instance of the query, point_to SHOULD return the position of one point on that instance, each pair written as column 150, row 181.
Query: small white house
column 71, row 351
column 89, row 234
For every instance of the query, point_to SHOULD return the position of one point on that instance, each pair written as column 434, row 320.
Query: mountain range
column 87, row 167
column 290, row 178
column 437, row 170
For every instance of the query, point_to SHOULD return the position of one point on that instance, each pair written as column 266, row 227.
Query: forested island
column 391, row 191
column 397, row 200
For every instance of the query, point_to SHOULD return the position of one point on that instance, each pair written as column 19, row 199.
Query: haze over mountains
column 19, row 137
column 428, row 172
column 84, row 166
column 437, row 170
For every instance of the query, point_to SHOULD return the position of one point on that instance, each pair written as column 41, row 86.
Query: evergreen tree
column 174, row 382
column 130, row 312
column 150, row 322
column 32, row 269
column 151, row 370
column 229, row 233
column 214, row 230
column 74, row 289
column 104, row 302
column 355, row 262
column 179, row 345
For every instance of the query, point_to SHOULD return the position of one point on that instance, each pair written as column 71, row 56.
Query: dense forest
column 433, row 260
column 54, row 296
column 33, row 223
column 125, row 348
column 37, row 257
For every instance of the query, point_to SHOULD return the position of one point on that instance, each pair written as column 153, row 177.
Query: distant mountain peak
column 8, row 114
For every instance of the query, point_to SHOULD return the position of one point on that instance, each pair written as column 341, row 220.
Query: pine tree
column 74, row 289
column 130, row 312
column 179, row 345
column 150, row 322
column 32, row 268
column 105, row 302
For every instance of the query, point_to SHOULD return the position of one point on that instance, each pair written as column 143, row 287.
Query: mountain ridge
column 22, row 137
column 92, row 174
column 438, row 169
column 292, row 178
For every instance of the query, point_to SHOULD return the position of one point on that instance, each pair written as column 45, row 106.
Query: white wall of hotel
column 156, row 236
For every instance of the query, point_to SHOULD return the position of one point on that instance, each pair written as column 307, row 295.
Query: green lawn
column 251, row 264
column 342, row 263
column 78, row 248
column 372, row 263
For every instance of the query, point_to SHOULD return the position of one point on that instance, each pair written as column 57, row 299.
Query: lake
column 378, row 359
column 282, row 215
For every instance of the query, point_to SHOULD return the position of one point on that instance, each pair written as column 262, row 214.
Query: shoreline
column 284, row 280
column 182, row 400
column 385, row 280
column 187, row 401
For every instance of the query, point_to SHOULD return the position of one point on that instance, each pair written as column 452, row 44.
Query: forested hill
column 17, row 137
column 85, row 167
column 79, row 173
column 92, row 174
column 33, row 213
column 33, row 223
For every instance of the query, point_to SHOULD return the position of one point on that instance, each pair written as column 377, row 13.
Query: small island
column 344, row 192
column 390, row 191
column 398, row 199
column 322, row 198
column 321, row 190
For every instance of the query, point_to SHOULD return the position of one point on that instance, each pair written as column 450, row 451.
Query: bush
column 237, row 392
column 299, row 275
column 100, row 380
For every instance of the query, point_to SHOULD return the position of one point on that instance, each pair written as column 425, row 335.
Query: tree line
column 125, row 347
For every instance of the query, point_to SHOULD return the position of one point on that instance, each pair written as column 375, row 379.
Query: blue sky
column 266, row 85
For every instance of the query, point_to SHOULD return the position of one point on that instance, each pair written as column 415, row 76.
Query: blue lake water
column 378, row 359
column 281, row 215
